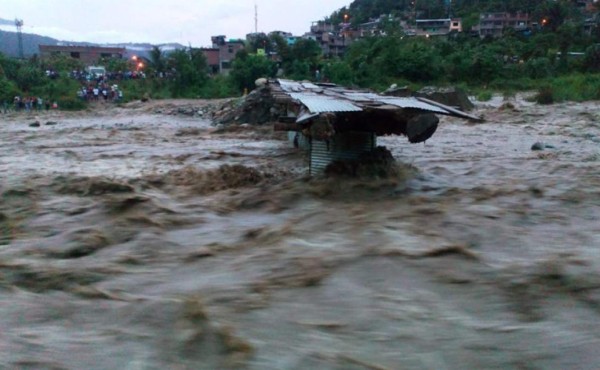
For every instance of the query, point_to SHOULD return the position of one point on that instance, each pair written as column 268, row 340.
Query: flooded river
column 131, row 239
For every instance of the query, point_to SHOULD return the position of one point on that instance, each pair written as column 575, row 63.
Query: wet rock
column 421, row 127
column 51, row 123
column 34, row 124
column 508, row 106
column 254, row 108
column 538, row 146
column 186, row 111
column 452, row 96
column 541, row 146
column 188, row 131
column 260, row 82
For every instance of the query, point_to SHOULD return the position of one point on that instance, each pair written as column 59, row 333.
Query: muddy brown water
column 135, row 240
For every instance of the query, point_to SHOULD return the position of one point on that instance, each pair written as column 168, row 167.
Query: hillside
column 360, row 11
column 9, row 44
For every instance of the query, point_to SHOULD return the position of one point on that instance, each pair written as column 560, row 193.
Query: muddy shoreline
column 135, row 238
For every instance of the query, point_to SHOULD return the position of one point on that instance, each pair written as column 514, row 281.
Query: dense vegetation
column 558, row 59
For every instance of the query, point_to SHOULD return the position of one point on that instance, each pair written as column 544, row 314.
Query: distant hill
column 9, row 44
column 31, row 42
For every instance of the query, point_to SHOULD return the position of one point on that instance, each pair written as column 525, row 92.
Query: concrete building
column 212, row 59
column 437, row 27
column 332, row 40
column 493, row 24
column 227, row 50
column 289, row 38
column 88, row 55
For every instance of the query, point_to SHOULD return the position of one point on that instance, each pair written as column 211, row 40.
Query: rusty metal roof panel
column 411, row 103
column 323, row 104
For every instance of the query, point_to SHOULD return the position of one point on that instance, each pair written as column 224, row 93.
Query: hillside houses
column 334, row 38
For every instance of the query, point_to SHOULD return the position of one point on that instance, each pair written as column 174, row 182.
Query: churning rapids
column 131, row 239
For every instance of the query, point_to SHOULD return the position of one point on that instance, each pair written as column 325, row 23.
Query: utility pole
column 255, row 18
column 19, row 25
column 414, row 4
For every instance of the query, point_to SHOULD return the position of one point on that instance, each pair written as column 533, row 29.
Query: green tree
column 62, row 63
column 114, row 64
column 28, row 77
column 259, row 41
column 157, row 59
column 247, row 68
column 591, row 61
column 339, row 72
column 10, row 66
column 552, row 13
column 281, row 47
column 191, row 72
column 8, row 90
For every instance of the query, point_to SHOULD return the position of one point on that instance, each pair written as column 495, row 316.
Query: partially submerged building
column 338, row 124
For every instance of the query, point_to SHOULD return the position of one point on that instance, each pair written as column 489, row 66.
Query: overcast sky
column 161, row 21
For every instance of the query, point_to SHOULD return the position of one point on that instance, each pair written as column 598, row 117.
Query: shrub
column 545, row 95
column 591, row 61
column 70, row 103
column 539, row 68
column 484, row 96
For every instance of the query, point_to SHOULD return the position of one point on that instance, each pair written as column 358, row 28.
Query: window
column 230, row 49
column 75, row 55
column 106, row 55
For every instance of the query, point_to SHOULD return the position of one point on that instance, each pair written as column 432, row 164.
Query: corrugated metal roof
column 310, row 85
column 362, row 96
column 290, row 86
column 323, row 104
column 323, row 98
column 411, row 103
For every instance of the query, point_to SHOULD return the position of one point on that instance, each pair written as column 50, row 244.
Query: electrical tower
column 19, row 25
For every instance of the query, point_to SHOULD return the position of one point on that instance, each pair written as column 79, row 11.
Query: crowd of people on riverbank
column 85, row 76
column 27, row 104
column 101, row 91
